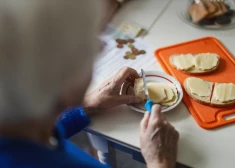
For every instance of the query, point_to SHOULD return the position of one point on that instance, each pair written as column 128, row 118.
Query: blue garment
column 19, row 153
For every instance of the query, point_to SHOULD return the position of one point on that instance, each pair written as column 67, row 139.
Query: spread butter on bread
column 223, row 95
column 195, row 63
column 202, row 91
column 198, row 89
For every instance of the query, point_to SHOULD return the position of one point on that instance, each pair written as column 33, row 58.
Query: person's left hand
column 108, row 94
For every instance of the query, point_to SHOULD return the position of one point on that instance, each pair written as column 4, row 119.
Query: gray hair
column 43, row 44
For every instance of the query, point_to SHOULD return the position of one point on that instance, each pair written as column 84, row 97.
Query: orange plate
column 206, row 116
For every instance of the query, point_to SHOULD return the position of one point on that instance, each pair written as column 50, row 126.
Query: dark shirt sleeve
column 73, row 120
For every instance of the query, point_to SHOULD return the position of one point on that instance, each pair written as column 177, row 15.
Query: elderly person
column 47, row 48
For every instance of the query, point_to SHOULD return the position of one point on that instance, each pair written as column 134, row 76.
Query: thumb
column 127, row 99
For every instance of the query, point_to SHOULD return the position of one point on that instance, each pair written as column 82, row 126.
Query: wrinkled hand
column 108, row 94
column 158, row 140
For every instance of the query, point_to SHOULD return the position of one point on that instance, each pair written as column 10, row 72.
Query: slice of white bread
column 217, row 103
column 182, row 63
column 201, row 99
column 139, row 89
column 211, row 98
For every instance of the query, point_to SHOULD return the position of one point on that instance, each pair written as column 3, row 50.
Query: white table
column 197, row 147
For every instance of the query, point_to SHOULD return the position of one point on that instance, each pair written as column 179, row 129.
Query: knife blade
column 149, row 103
column 145, row 84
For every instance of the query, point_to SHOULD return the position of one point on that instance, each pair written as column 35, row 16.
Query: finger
column 156, row 112
column 156, row 119
column 125, row 73
column 169, row 130
column 131, row 80
column 173, row 137
column 144, row 122
column 175, row 134
column 126, row 99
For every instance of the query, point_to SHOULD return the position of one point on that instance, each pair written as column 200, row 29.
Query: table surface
column 197, row 147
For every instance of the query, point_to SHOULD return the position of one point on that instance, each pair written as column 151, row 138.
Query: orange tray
column 207, row 117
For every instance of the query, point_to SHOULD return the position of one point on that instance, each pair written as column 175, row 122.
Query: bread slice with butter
column 198, row 89
column 223, row 95
column 139, row 89
column 202, row 63
column 208, row 93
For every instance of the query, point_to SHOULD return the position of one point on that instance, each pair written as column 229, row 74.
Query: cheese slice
column 182, row 61
column 156, row 92
column 139, row 89
column 198, row 86
column 165, row 94
column 225, row 92
column 206, row 61
column 174, row 99
column 169, row 92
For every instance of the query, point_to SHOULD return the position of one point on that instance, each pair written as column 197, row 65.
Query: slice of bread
column 200, row 99
column 197, row 11
column 182, row 62
column 220, row 9
column 211, row 8
column 208, row 100
column 193, row 69
column 217, row 103
column 196, row 71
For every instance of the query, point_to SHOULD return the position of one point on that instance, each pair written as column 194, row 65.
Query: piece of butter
column 182, row 61
column 206, row 61
column 139, row 89
column 225, row 92
column 156, row 92
column 169, row 92
column 198, row 87
column 174, row 99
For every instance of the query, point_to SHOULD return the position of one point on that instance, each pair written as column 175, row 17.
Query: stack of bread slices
column 211, row 12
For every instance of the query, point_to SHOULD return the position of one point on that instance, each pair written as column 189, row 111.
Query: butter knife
column 149, row 103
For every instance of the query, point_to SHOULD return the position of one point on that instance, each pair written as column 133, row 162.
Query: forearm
column 73, row 120
column 163, row 164
column 158, row 166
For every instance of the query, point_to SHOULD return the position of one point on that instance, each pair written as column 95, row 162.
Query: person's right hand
column 158, row 140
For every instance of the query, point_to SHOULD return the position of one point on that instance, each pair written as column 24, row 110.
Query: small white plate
column 155, row 76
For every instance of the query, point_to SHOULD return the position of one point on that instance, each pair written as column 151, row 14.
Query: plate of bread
column 163, row 89
column 210, row 14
